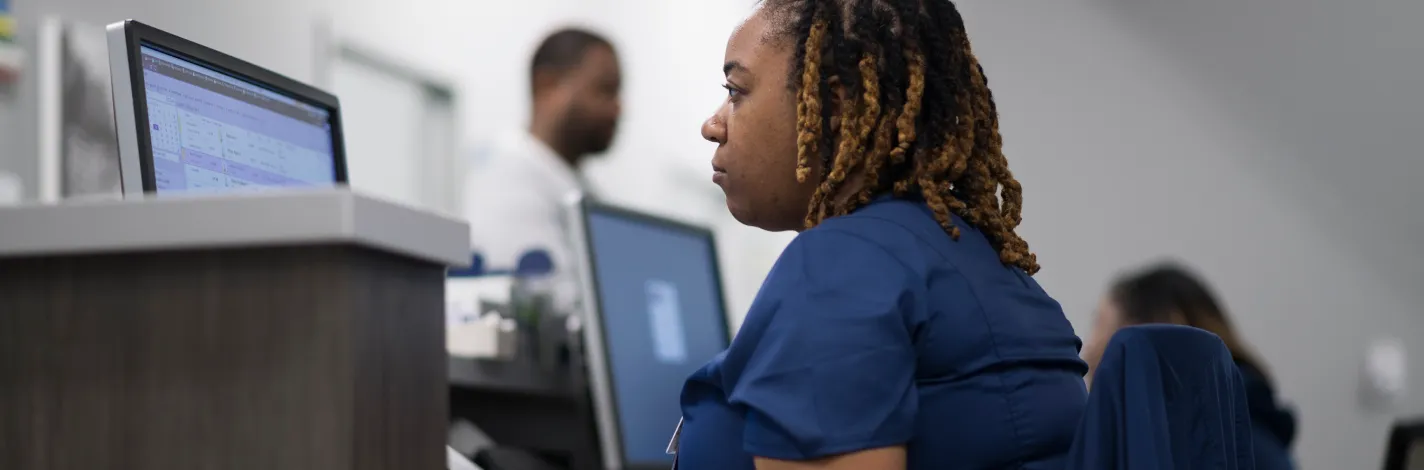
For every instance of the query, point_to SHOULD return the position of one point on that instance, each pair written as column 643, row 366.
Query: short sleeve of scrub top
column 824, row 362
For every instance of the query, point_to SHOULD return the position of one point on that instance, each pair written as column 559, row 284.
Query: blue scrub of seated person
column 877, row 329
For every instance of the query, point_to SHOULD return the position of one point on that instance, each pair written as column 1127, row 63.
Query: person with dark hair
column 513, row 198
column 1169, row 293
column 901, row 328
column 575, row 82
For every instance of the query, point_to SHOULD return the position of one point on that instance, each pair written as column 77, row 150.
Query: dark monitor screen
column 661, row 308
column 211, row 131
column 1406, row 446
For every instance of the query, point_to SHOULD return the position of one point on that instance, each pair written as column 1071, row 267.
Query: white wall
column 1334, row 85
column 1130, row 150
column 673, row 54
column 248, row 29
column 1207, row 132
column 1271, row 144
column 251, row 29
column 672, row 58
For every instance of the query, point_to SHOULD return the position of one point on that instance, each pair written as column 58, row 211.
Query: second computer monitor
column 192, row 119
column 653, row 297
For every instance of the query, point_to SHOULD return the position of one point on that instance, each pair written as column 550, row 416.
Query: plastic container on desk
column 532, row 294
column 462, row 299
column 476, row 327
column 545, row 335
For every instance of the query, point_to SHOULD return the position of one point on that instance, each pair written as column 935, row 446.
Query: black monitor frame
column 1402, row 439
column 602, row 392
column 125, row 39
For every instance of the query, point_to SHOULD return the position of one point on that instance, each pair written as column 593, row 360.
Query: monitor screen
column 1415, row 458
column 660, row 303
column 211, row 131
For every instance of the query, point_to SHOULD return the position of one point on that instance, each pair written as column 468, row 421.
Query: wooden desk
column 274, row 332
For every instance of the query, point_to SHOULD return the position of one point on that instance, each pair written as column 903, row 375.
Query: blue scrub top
column 877, row 329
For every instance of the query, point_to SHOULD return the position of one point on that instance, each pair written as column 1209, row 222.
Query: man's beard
column 587, row 136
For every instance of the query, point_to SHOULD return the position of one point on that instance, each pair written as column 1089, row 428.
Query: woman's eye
column 732, row 92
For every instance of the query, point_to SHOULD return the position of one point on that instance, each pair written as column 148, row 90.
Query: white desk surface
column 275, row 218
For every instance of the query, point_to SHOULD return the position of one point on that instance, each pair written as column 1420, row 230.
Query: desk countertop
column 232, row 221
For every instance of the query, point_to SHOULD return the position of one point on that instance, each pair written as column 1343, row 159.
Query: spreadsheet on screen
column 209, row 131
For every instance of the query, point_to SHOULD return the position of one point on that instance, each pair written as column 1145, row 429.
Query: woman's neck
column 850, row 188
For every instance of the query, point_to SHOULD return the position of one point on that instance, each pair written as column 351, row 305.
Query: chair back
column 1165, row 397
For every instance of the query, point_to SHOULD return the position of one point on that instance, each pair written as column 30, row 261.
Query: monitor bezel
column 125, row 40
column 610, row 433
column 1402, row 437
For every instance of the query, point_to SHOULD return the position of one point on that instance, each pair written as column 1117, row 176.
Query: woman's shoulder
column 882, row 213
column 842, row 262
column 841, row 253
column 891, row 225
column 908, row 230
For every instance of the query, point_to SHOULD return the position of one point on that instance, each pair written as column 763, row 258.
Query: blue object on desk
column 534, row 263
column 1165, row 397
column 476, row 269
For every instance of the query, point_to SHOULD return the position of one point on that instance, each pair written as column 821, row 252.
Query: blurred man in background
column 514, row 200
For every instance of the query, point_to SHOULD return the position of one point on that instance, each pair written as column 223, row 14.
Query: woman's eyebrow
column 733, row 65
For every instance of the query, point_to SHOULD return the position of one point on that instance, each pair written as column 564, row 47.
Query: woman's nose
column 714, row 130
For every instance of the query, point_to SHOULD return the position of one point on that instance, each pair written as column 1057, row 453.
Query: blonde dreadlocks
column 915, row 111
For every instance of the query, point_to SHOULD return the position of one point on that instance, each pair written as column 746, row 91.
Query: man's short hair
column 564, row 49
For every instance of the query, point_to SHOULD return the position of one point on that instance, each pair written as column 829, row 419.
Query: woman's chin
column 751, row 218
column 740, row 213
column 745, row 214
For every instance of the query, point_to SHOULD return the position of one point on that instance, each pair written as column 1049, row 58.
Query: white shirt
column 514, row 201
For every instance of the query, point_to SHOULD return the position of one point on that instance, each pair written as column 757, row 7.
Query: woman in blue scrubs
column 901, row 328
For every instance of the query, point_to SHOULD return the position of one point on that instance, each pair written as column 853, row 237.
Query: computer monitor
column 1405, row 450
column 653, row 300
column 192, row 119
